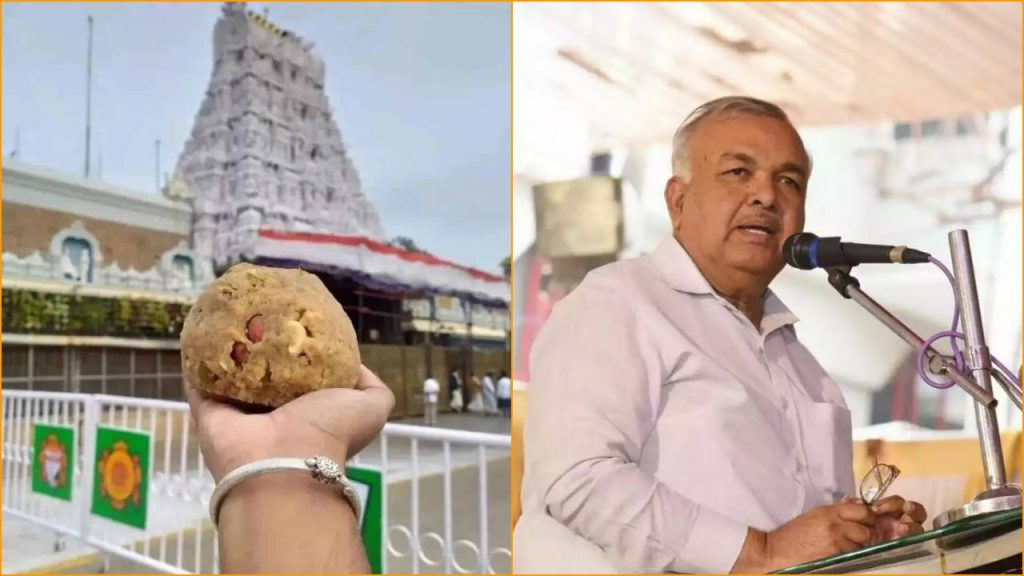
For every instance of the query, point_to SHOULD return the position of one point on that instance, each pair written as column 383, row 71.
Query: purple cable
column 923, row 372
column 953, row 335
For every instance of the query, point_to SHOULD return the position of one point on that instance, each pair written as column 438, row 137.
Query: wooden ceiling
column 599, row 74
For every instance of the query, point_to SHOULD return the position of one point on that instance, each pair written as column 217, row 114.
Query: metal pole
column 910, row 337
column 92, row 412
column 156, row 174
column 414, row 546
column 449, row 544
column 430, row 336
column 88, row 99
column 1009, row 387
column 978, row 360
column 469, row 343
column 481, row 462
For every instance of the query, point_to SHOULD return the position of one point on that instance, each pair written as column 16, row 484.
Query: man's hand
column 335, row 422
column 821, row 532
column 897, row 518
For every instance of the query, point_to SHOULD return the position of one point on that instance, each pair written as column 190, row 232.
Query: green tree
column 406, row 243
column 506, row 266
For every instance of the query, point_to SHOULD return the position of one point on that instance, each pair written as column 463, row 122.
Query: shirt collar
column 776, row 314
column 675, row 267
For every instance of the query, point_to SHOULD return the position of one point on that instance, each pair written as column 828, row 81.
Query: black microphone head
column 797, row 250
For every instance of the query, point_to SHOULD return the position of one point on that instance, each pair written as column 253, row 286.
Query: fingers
column 856, row 532
column 353, row 416
column 844, row 544
column 902, row 529
column 368, row 380
column 376, row 404
column 887, row 528
column 856, row 512
column 376, row 389
column 912, row 528
column 907, row 526
column 891, row 528
column 205, row 409
column 915, row 511
column 195, row 398
column 889, row 506
column 897, row 507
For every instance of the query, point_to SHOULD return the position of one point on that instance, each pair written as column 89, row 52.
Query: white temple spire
column 265, row 151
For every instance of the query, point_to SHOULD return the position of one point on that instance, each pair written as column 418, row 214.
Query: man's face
column 748, row 177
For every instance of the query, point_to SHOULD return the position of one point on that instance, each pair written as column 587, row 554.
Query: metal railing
column 471, row 448
column 446, row 534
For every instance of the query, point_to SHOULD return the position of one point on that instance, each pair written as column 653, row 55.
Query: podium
column 985, row 544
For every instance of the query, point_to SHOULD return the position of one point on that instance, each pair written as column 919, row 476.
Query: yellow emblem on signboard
column 121, row 476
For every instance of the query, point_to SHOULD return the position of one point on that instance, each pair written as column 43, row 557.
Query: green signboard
column 369, row 484
column 53, row 460
column 121, row 486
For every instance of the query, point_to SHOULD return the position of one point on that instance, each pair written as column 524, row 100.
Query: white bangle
column 322, row 469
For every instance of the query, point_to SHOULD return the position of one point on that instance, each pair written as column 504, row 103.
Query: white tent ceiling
column 590, row 75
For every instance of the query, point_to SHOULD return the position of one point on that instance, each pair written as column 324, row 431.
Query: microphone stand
column 999, row 495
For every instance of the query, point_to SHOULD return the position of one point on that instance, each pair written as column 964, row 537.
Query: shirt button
column 799, row 466
column 784, row 403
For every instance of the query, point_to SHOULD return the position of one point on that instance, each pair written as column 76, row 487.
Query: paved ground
column 473, row 422
column 29, row 547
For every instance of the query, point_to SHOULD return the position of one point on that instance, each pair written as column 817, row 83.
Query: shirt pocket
column 829, row 447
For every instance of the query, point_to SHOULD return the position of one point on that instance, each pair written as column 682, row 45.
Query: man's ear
column 675, row 193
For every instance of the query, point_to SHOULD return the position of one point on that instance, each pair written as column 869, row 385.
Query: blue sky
column 420, row 92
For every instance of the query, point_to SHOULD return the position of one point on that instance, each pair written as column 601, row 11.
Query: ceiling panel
column 627, row 73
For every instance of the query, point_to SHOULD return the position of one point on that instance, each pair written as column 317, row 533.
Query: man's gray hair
column 729, row 106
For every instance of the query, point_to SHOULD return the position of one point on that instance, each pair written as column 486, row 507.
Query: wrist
column 753, row 557
column 288, row 523
column 282, row 492
column 283, row 446
column 306, row 441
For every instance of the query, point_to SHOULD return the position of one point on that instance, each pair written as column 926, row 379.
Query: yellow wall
column 917, row 460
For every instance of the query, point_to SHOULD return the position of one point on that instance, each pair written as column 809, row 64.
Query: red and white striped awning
column 380, row 264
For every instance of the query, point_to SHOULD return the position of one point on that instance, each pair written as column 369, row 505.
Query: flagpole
column 88, row 99
column 157, row 167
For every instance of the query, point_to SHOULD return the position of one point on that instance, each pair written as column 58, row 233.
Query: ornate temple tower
column 265, row 151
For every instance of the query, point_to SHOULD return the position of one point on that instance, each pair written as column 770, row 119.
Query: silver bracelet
column 321, row 468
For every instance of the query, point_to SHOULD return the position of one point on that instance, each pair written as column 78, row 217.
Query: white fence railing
column 446, row 489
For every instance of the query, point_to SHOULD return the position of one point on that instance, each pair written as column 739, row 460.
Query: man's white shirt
column 431, row 389
column 661, row 424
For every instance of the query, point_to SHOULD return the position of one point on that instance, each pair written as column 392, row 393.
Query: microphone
column 806, row 251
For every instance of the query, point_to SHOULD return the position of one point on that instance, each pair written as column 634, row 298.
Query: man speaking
column 675, row 421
